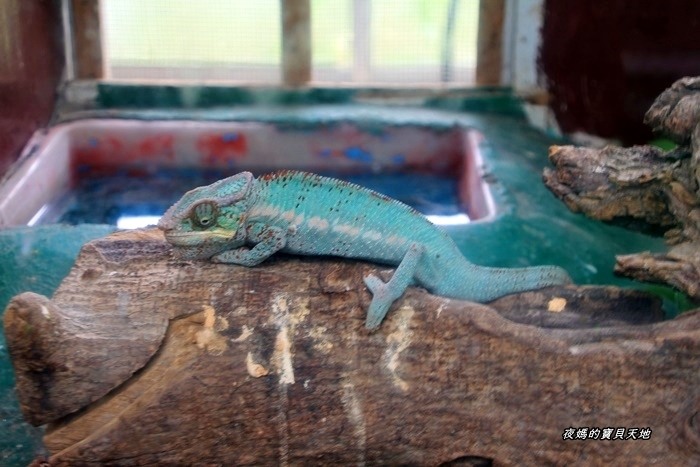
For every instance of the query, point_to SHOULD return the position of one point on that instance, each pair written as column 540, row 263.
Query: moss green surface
column 118, row 97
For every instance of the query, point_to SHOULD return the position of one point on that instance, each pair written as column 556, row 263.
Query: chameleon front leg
column 384, row 294
column 269, row 240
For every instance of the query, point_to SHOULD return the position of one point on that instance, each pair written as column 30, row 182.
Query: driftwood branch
column 142, row 359
column 644, row 188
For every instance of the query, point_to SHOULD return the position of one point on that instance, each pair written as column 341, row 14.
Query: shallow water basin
column 127, row 172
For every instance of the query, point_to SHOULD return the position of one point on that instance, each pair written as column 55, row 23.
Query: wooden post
column 296, row 42
column 490, row 42
column 86, row 39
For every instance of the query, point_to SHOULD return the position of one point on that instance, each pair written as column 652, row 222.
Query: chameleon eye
column 204, row 214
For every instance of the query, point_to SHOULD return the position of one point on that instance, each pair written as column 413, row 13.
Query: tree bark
column 143, row 359
column 676, row 112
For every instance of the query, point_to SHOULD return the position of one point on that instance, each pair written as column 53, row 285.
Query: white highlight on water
column 455, row 219
column 136, row 222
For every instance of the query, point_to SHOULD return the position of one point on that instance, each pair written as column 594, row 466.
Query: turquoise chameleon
column 243, row 220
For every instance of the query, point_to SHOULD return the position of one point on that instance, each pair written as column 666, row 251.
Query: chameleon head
column 209, row 219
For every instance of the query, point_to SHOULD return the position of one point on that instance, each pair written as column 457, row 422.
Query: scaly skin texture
column 243, row 220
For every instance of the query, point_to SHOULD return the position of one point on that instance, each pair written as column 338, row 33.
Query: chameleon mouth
column 187, row 239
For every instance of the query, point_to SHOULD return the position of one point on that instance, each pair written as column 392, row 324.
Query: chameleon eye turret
column 204, row 214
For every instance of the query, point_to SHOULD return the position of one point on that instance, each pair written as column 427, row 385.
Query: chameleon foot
column 384, row 294
column 381, row 301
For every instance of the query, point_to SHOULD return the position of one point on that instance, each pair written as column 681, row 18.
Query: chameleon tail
column 483, row 284
column 504, row 281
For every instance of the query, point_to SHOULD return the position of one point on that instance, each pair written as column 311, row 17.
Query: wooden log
column 143, row 359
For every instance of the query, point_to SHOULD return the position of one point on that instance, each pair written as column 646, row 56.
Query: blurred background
column 595, row 65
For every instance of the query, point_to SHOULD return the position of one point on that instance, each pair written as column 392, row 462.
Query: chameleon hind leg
column 385, row 293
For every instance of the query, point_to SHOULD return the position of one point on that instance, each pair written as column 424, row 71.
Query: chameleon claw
column 382, row 298
column 381, row 301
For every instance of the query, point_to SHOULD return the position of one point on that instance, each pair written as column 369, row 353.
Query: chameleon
column 244, row 220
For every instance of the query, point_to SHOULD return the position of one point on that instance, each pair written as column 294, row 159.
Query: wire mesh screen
column 427, row 41
column 332, row 40
column 403, row 42
column 394, row 41
column 206, row 40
